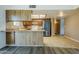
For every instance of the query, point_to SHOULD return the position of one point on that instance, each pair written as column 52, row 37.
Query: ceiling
column 55, row 13
column 49, row 10
column 41, row 7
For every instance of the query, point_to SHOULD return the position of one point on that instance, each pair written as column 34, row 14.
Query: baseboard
column 71, row 38
column 42, row 46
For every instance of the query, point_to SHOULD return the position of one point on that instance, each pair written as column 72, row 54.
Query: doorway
column 56, row 27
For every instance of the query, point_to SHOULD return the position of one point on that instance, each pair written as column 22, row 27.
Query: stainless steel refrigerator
column 47, row 27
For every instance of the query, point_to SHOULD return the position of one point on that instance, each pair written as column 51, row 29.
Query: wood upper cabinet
column 21, row 15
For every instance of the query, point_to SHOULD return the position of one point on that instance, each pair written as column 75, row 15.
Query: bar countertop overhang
column 22, row 30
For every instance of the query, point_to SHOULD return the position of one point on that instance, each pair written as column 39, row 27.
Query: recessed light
column 61, row 14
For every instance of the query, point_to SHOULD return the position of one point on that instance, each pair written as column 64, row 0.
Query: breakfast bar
column 29, row 38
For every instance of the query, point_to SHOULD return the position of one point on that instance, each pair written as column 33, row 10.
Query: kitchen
column 26, row 29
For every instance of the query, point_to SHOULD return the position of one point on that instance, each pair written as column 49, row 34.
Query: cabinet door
column 10, row 38
column 18, row 15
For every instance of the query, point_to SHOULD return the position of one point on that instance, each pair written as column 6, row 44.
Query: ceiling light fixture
column 61, row 14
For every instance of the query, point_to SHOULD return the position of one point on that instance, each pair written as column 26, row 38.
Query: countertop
column 22, row 30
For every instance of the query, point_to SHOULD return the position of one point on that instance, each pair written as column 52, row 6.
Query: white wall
column 61, row 26
column 72, row 27
column 2, row 20
column 2, row 29
column 2, row 39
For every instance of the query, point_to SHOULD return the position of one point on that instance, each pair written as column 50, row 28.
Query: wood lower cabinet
column 10, row 37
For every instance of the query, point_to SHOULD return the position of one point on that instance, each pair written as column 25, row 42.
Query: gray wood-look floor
column 38, row 50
